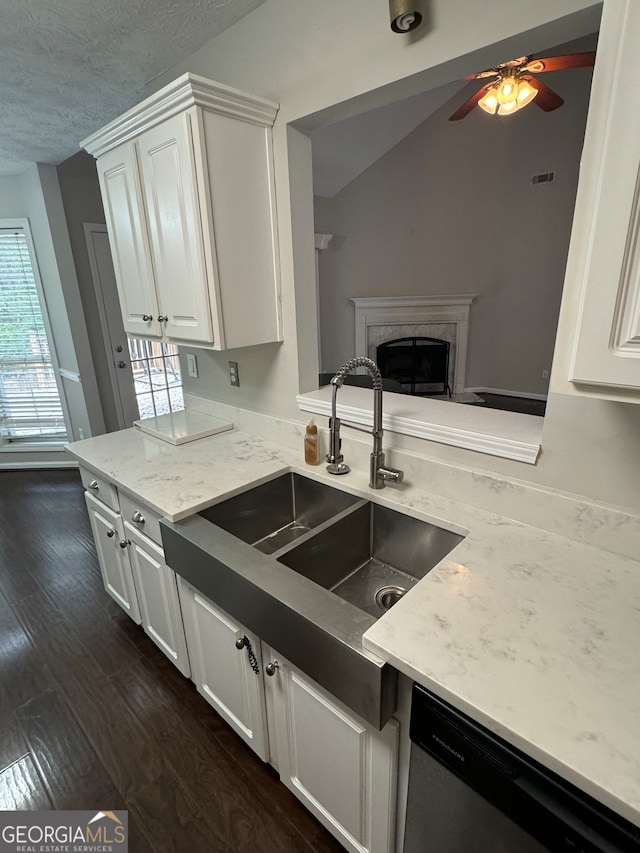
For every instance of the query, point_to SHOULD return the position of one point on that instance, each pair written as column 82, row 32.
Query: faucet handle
column 391, row 475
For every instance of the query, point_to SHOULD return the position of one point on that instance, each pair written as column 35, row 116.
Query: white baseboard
column 525, row 394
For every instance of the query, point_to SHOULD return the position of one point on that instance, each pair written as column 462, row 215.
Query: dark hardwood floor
column 93, row 716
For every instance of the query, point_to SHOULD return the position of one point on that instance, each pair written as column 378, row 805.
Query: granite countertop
column 532, row 634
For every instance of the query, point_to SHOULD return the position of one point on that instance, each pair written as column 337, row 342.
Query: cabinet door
column 128, row 238
column 114, row 562
column 170, row 189
column 339, row 767
column 157, row 592
column 221, row 672
column 605, row 242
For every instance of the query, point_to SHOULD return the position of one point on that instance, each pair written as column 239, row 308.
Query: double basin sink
column 309, row 568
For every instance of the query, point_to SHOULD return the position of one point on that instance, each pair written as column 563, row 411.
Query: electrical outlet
column 80, row 433
column 192, row 365
column 234, row 376
column 545, row 374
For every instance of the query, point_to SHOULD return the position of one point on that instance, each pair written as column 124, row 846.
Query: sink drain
column 387, row 596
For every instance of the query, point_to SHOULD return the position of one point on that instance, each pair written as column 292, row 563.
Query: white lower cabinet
column 343, row 770
column 157, row 593
column 136, row 576
column 111, row 547
column 221, row 671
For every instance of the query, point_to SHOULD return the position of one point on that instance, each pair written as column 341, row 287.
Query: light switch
column 192, row 365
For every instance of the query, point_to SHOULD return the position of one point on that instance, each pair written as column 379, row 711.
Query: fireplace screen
column 420, row 365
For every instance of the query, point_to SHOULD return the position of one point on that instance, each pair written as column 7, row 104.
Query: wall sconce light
column 404, row 16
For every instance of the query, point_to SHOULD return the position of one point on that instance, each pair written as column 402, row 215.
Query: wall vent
column 543, row 178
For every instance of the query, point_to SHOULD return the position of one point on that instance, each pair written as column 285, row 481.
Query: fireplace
column 419, row 364
column 444, row 317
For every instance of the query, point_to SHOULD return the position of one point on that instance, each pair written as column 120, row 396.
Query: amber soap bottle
column 311, row 445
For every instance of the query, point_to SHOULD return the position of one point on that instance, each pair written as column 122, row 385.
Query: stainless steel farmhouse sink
column 279, row 511
column 309, row 568
column 371, row 556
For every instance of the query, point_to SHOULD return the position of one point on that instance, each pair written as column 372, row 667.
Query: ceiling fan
column 516, row 86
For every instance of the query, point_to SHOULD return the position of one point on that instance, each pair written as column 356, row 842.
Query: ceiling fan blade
column 466, row 108
column 546, row 99
column 558, row 63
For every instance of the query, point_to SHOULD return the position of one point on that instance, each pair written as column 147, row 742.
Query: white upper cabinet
column 124, row 212
column 605, row 250
column 188, row 188
column 170, row 186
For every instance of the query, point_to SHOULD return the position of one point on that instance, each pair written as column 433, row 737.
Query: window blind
column 30, row 407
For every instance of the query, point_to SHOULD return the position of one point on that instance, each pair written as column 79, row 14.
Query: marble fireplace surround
column 383, row 318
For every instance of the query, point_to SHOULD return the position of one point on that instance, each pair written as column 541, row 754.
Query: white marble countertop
column 533, row 635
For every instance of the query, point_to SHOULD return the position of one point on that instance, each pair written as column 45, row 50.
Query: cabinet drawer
column 145, row 520
column 100, row 488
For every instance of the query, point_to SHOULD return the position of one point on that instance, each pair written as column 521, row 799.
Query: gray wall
column 337, row 59
column 450, row 210
column 82, row 202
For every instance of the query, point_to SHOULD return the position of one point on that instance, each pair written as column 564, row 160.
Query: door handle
column 122, row 364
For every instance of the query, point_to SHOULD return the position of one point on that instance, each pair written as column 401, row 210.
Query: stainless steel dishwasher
column 470, row 792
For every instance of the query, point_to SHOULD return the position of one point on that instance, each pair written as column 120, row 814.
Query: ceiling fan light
column 489, row 102
column 526, row 93
column 508, row 108
column 507, row 89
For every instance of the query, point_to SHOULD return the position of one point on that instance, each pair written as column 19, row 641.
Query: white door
column 131, row 251
column 171, row 196
column 157, row 597
column 343, row 770
column 222, row 672
column 108, row 534
column 113, row 334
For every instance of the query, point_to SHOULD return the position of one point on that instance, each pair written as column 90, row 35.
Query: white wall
column 35, row 195
column 310, row 57
column 451, row 209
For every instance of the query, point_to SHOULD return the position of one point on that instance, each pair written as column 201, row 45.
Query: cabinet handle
column 162, row 318
column 94, row 485
column 111, row 532
column 245, row 643
column 271, row 667
column 124, row 542
column 138, row 517
column 147, row 317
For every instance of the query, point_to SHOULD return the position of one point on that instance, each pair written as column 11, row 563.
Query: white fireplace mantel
column 413, row 315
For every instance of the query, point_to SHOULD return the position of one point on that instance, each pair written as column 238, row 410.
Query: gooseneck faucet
column 379, row 474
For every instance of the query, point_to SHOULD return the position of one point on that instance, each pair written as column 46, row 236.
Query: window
column 156, row 375
column 30, row 404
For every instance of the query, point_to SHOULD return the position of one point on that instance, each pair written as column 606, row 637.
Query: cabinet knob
column 271, row 667
column 138, row 517
column 162, row 318
column 111, row 532
column 147, row 317
column 94, row 485
column 124, row 542
column 240, row 643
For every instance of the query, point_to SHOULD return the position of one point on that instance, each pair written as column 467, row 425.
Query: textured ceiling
column 70, row 66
